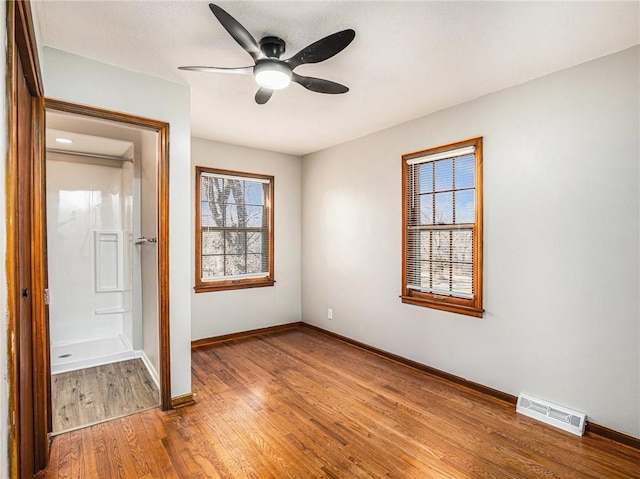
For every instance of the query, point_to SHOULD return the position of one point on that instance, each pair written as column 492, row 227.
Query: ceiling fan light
column 272, row 75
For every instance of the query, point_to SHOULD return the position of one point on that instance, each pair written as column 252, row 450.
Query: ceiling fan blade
column 263, row 95
column 240, row 70
column 323, row 49
column 319, row 85
column 238, row 32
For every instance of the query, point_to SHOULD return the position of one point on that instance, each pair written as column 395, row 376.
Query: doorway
column 102, row 231
column 127, row 273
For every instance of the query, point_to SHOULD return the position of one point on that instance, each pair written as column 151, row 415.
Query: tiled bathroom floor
column 88, row 396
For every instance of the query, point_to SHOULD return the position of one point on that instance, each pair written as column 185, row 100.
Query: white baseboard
column 152, row 371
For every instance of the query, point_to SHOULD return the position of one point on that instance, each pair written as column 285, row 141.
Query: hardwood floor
column 91, row 395
column 300, row 404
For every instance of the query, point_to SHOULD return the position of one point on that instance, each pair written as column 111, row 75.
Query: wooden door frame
column 21, row 48
column 162, row 129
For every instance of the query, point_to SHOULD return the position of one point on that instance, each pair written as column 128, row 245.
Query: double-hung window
column 442, row 228
column 234, row 230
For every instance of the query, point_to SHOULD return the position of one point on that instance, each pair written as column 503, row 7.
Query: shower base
column 87, row 354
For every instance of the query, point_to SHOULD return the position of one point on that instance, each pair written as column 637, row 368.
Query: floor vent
column 558, row 416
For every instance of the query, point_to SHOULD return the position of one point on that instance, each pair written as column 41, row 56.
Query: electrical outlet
column 329, row 313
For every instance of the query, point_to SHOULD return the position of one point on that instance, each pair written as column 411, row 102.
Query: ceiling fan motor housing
column 272, row 47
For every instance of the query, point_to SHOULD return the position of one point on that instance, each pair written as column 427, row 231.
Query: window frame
column 235, row 283
column 474, row 305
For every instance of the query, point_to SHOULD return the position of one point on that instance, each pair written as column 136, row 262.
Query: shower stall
column 97, row 255
column 90, row 224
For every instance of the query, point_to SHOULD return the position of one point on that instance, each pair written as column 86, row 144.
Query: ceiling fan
column 270, row 72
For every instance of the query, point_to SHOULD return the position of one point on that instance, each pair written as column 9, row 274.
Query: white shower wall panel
column 82, row 199
column 127, row 205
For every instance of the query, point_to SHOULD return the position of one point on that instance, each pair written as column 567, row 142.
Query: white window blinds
column 441, row 222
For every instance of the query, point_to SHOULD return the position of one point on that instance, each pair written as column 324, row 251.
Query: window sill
column 444, row 306
column 230, row 285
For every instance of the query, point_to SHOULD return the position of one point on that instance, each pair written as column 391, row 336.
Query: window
column 234, row 230
column 442, row 228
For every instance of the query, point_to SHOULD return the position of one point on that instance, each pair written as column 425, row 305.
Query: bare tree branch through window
column 235, row 228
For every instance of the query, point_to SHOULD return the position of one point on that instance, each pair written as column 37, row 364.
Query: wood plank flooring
column 91, row 395
column 300, row 404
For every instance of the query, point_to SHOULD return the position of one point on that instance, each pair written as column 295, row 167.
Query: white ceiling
column 408, row 58
column 89, row 144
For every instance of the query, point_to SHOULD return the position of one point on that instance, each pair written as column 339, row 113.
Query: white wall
column 81, row 80
column 224, row 312
column 4, row 396
column 148, row 253
column 561, row 239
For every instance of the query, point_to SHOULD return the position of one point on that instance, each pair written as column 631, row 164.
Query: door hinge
column 47, row 297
